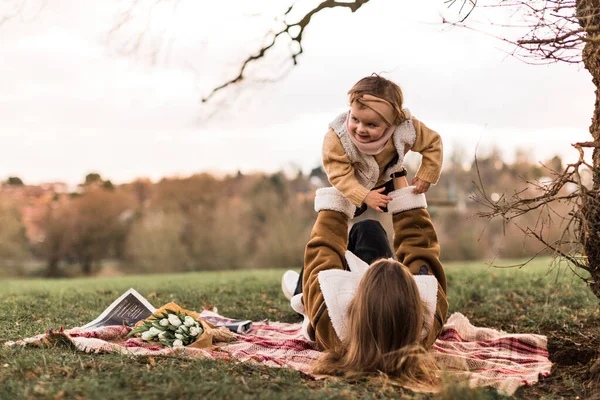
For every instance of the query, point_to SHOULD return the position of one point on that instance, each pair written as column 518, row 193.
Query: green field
column 535, row 298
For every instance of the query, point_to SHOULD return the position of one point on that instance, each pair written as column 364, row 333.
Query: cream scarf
column 374, row 147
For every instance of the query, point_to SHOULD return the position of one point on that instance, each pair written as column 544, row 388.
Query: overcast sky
column 73, row 101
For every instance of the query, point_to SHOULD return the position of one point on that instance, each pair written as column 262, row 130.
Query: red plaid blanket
column 486, row 357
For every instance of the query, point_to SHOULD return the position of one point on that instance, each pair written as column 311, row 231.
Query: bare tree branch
column 560, row 31
column 472, row 3
column 580, row 198
column 288, row 29
column 556, row 32
column 12, row 9
column 136, row 11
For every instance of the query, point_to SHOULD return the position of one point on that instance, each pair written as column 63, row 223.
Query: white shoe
column 289, row 281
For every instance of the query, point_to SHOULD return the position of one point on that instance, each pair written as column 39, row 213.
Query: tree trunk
column 589, row 18
column 52, row 267
column 86, row 266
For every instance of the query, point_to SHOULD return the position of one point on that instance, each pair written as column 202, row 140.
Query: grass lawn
column 534, row 299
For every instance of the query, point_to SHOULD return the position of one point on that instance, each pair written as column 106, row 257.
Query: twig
column 300, row 26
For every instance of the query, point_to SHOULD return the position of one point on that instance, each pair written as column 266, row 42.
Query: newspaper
column 128, row 309
column 234, row 325
column 132, row 307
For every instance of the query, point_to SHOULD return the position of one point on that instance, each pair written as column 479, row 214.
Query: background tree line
column 242, row 221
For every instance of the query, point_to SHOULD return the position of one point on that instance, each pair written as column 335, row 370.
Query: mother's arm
column 416, row 246
column 325, row 250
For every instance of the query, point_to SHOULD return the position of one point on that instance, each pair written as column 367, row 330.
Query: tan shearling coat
column 342, row 174
column 415, row 245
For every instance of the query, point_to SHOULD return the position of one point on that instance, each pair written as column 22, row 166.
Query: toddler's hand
column 375, row 199
column 420, row 186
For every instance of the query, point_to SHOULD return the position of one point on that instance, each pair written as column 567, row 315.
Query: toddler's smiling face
column 365, row 124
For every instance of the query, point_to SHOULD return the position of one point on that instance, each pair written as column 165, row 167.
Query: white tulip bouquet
column 169, row 328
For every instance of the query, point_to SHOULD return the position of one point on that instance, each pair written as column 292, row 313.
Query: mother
column 379, row 318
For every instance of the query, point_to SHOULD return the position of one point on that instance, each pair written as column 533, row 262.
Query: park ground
column 542, row 297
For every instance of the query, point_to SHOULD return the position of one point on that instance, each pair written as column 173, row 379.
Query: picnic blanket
column 483, row 356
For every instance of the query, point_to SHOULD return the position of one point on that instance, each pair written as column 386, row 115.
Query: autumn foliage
column 239, row 221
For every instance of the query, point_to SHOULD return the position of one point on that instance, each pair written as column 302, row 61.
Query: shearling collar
column 338, row 288
column 404, row 136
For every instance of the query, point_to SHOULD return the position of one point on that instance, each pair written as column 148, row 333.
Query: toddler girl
column 366, row 145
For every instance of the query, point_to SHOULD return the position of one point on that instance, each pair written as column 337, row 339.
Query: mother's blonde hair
column 385, row 320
